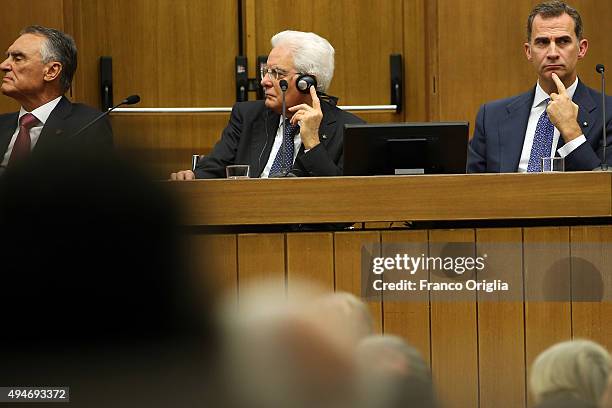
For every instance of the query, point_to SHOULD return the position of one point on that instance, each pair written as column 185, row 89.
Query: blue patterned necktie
column 283, row 162
column 542, row 142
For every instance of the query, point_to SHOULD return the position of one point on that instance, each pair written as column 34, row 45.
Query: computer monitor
column 405, row 148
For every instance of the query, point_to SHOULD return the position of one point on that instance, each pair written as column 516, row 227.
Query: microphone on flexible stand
column 130, row 100
column 604, row 165
column 284, row 172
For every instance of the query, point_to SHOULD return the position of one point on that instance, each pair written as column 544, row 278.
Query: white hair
column 577, row 367
column 312, row 54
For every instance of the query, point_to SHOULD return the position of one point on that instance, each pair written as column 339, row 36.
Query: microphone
column 283, row 171
column 130, row 100
column 604, row 165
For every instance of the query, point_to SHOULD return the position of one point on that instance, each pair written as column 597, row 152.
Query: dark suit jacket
column 499, row 133
column 63, row 122
column 250, row 133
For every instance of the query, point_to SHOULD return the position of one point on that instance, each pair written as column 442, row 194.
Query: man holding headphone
column 310, row 142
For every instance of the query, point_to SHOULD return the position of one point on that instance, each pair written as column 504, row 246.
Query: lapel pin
column 323, row 136
column 585, row 124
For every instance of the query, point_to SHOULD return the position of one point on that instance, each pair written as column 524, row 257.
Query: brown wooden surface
column 408, row 319
column 479, row 350
column 547, row 276
column 215, row 260
column 356, row 199
column 347, row 264
column 592, row 269
column 310, row 260
column 454, row 334
column 501, row 320
column 261, row 259
column 171, row 53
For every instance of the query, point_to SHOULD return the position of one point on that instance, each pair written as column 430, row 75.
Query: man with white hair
column 571, row 373
column 311, row 141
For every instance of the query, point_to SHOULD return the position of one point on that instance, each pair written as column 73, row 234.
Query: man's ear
column 583, row 46
column 528, row 51
column 52, row 71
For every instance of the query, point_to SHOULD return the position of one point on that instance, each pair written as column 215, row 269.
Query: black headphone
column 304, row 82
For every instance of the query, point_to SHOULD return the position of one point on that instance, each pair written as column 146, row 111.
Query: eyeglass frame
column 279, row 74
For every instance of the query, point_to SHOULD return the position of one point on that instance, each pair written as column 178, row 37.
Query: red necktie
column 21, row 148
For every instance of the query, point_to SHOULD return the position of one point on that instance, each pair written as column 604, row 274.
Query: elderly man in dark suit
column 38, row 71
column 559, row 117
column 310, row 143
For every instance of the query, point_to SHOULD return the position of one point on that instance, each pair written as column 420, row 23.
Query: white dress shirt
column 538, row 107
column 42, row 114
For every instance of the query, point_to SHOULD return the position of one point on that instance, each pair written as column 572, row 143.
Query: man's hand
column 563, row 113
column 183, row 175
column 309, row 119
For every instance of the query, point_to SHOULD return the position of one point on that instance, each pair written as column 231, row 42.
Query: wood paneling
column 591, row 271
column 480, row 55
column 407, row 317
column 454, row 339
column 215, row 259
column 261, row 259
column 407, row 198
column 597, row 23
column 310, row 259
column 347, row 265
column 18, row 14
column 171, row 53
column 547, row 289
column 501, row 320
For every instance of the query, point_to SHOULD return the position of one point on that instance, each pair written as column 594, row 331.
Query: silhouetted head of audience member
column 345, row 315
column 573, row 371
column 93, row 275
column 277, row 355
column 393, row 374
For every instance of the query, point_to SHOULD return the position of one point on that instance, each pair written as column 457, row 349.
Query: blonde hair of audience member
column 606, row 399
column 392, row 374
column 344, row 314
column 277, row 355
column 577, row 367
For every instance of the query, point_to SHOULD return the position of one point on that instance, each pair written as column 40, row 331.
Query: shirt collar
column 541, row 95
column 42, row 112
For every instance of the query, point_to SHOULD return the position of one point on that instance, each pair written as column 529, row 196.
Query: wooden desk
column 478, row 351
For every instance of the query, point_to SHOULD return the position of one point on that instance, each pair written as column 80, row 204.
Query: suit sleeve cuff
column 570, row 146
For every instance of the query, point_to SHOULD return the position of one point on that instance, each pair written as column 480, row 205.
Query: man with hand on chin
column 311, row 141
column 559, row 117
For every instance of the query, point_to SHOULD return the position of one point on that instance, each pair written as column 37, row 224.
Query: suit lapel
column 587, row 119
column 329, row 123
column 54, row 130
column 7, row 128
column 264, row 132
column 512, row 131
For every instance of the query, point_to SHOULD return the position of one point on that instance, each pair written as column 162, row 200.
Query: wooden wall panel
column 408, row 318
column 310, row 259
column 597, row 22
column 347, row 259
column 501, row 320
column 481, row 57
column 18, row 14
column 592, row 283
column 547, row 276
column 261, row 259
column 364, row 33
column 215, row 260
column 454, row 341
column 173, row 54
